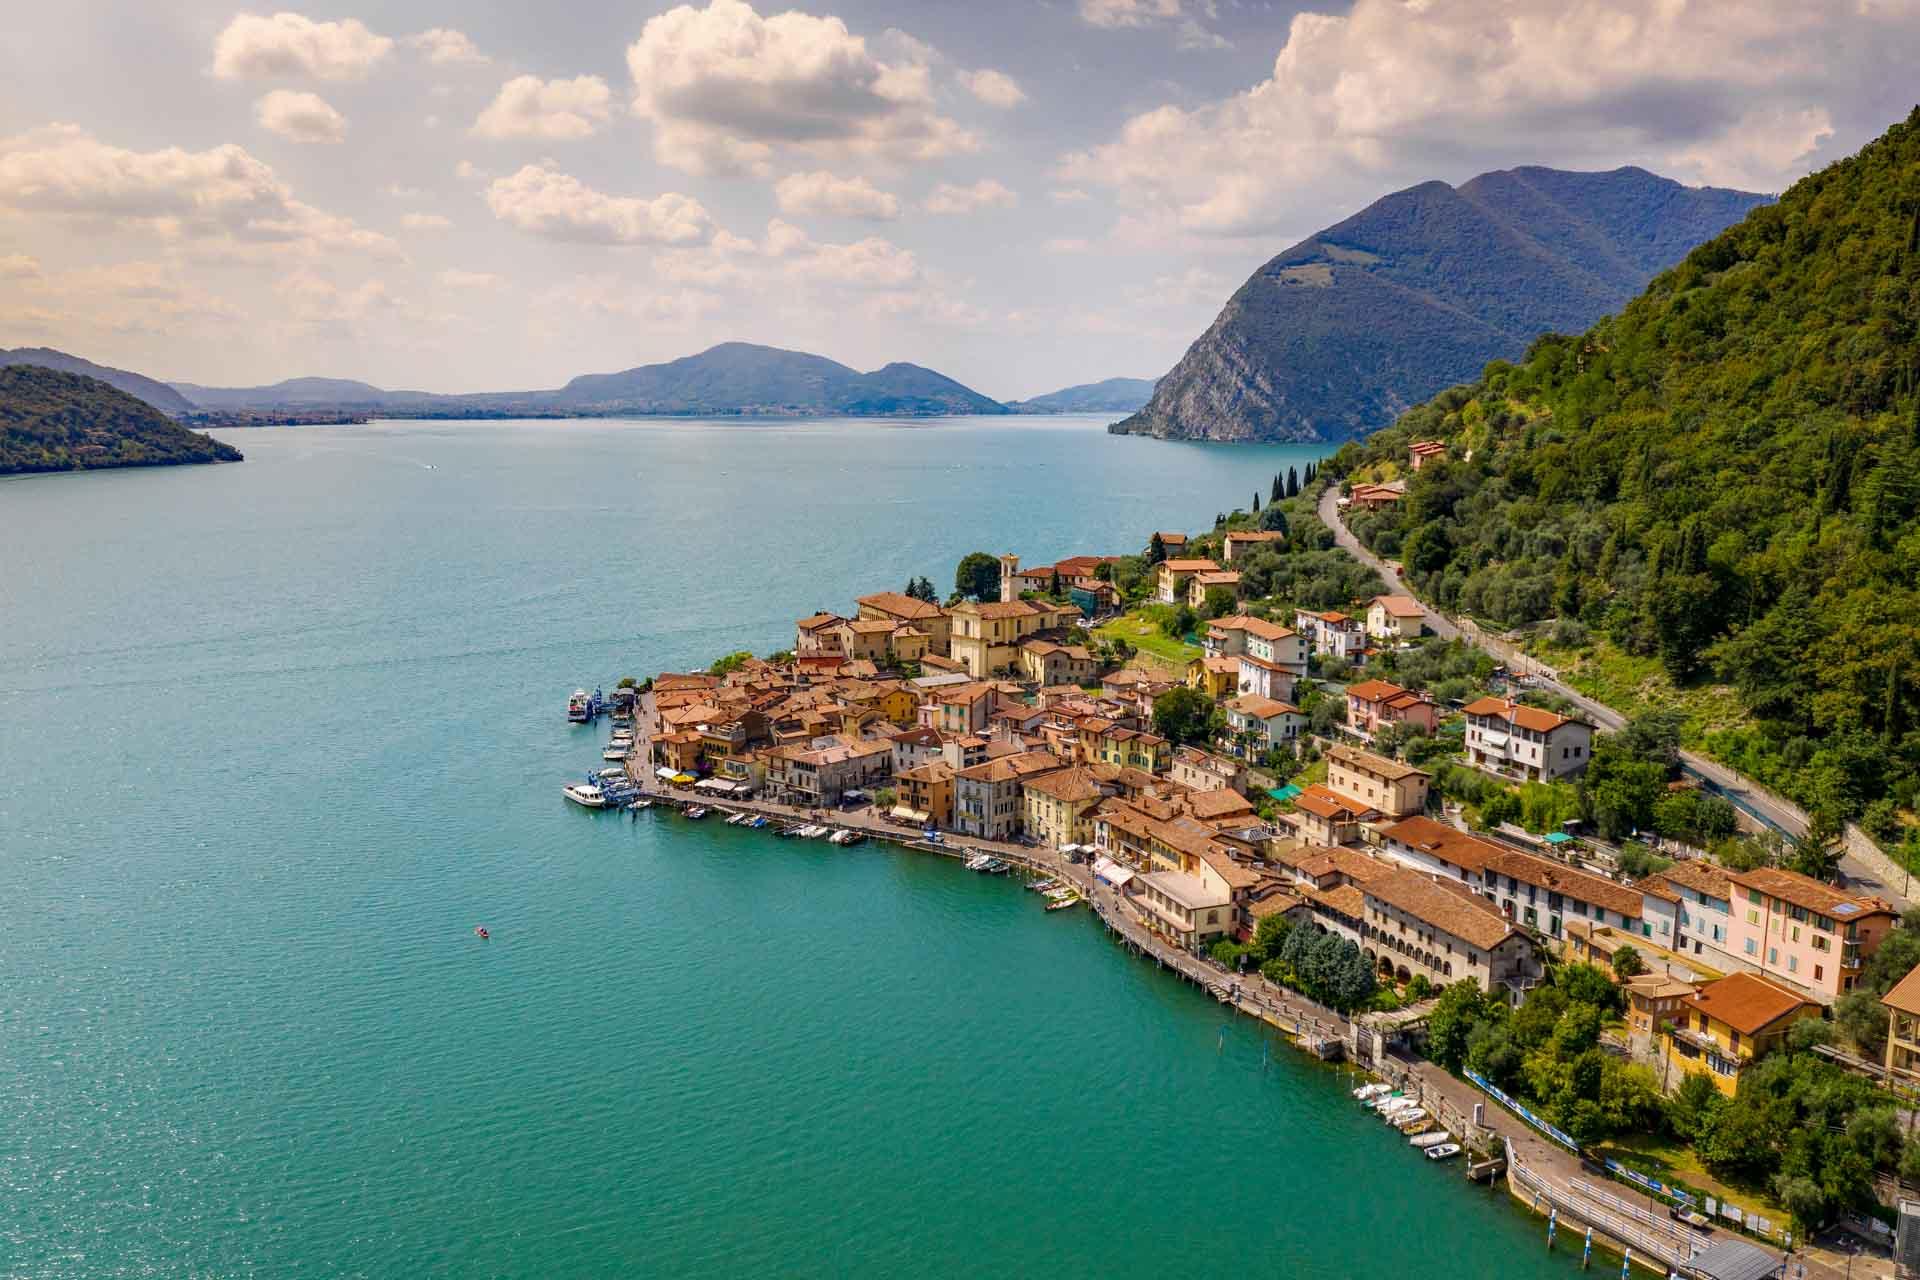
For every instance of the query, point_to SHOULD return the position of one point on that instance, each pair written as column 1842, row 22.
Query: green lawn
column 1144, row 634
column 1670, row 1161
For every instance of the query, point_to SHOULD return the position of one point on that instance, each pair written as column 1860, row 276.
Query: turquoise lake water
column 274, row 737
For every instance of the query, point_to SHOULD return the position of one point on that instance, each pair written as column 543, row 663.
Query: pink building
column 1804, row 933
column 1374, row 703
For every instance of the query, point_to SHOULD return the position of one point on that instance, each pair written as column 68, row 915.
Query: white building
column 1531, row 743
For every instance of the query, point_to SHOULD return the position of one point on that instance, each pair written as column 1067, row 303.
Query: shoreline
column 1309, row 1029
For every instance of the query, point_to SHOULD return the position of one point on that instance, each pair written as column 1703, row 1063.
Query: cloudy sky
column 1021, row 193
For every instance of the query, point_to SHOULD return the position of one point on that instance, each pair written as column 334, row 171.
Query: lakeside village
column 1328, row 815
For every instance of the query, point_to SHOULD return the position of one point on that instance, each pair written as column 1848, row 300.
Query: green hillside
column 53, row 421
column 1725, row 477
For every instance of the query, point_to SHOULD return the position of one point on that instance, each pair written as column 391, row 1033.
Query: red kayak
column 480, row 931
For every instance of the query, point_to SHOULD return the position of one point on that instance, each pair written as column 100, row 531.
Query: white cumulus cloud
column 18, row 266
column 1188, row 33
column 290, row 44
column 821, row 192
column 554, row 110
column 453, row 278
column 543, row 201
column 726, row 88
column 985, row 194
column 995, row 88
column 425, row 222
column 445, row 47
column 223, row 192
column 302, row 117
column 1364, row 101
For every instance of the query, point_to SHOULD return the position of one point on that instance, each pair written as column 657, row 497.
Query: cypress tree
column 1293, row 482
column 1278, row 491
column 1156, row 550
column 1256, row 502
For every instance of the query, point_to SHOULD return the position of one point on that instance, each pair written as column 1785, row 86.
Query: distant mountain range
column 1114, row 395
column 154, row 392
column 1346, row 330
column 55, row 421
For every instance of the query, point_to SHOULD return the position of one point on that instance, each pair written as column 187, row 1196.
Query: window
column 1817, row 972
column 1752, row 947
column 1773, row 955
column 1793, row 964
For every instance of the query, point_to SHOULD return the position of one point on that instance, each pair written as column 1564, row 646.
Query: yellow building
column 1060, row 806
column 924, row 794
column 987, row 637
column 924, row 616
column 1395, row 789
column 1174, row 575
column 1103, row 742
column 1728, row 1024
column 1216, row 676
column 1903, row 1030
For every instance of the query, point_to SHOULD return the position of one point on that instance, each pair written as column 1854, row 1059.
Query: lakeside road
column 1764, row 806
column 1296, row 1017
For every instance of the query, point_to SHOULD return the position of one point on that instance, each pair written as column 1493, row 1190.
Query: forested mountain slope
column 54, row 421
column 1726, row 475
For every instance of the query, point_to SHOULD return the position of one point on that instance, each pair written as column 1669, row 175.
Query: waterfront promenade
column 1540, row 1174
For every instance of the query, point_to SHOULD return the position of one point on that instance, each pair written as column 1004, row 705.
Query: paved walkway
column 1766, row 806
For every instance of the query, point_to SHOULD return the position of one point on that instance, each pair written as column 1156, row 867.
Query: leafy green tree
column 1185, row 716
column 1219, row 602
column 1179, row 622
column 1273, row 520
column 1862, row 1019
column 1461, row 1008
column 1693, row 1106
column 1270, row 936
column 977, row 577
column 1627, row 963
column 731, row 663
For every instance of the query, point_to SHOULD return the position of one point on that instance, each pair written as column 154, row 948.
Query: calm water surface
column 274, row 738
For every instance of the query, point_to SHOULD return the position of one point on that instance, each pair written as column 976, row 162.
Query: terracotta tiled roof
column 1009, row 768
column 1400, row 606
column 1002, row 609
column 1598, row 890
column 1227, row 578
column 900, row 605
column 1345, row 899
column 1252, row 704
column 1374, row 690
column 1700, row 876
column 815, row 621
column 1323, row 803
column 1538, row 719
column 1237, row 877
column 931, row 771
column 1070, row 785
column 1257, row 535
column 1351, row 863
column 1447, row 843
column 1207, row 805
column 1904, row 994
column 1252, row 626
column 1804, row 891
column 1747, row 1002
column 1188, row 566
column 1471, row 919
column 1275, row 903
column 1368, row 762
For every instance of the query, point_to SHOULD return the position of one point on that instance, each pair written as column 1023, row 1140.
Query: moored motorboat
column 1416, row 1118
column 643, row 803
column 585, row 794
column 695, row 812
column 577, row 704
column 614, row 751
column 1062, row 903
column 1443, row 1151
column 978, row 862
column 1367, row 1092
column 1432, row 1139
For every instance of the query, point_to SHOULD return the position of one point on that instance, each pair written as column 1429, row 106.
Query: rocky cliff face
column 1343, row 332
